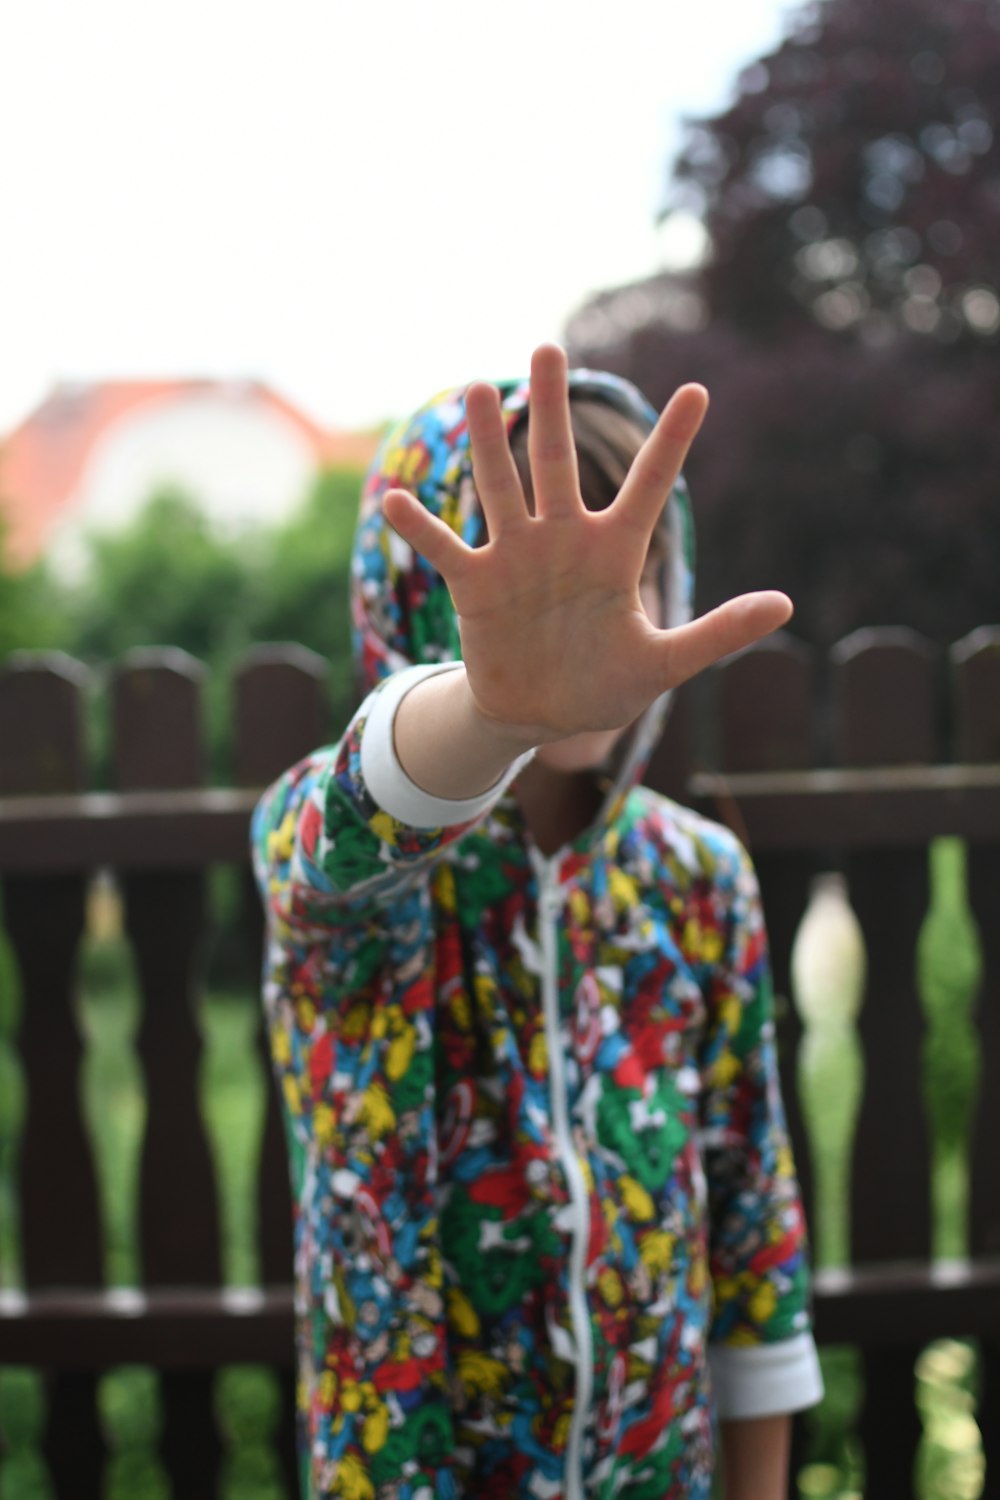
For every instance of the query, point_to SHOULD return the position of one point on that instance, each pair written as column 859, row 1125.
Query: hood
column 401, row 610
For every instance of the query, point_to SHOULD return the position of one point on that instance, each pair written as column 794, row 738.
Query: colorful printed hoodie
column 546, row 1220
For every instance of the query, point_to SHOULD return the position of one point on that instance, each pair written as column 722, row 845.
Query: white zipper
column 548, row 906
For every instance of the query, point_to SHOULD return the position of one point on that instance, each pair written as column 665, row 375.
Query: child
column 546, row 1221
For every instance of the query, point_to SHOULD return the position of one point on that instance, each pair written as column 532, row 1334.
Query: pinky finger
column 425, row 533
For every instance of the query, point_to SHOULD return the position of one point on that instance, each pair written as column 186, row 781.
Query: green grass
column 233, row 1094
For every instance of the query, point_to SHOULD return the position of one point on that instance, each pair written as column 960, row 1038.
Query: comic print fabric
column 467, row 1323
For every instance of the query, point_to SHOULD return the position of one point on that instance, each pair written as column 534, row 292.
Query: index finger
column 659, row 461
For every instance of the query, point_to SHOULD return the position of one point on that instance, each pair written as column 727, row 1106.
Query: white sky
column 357, row 202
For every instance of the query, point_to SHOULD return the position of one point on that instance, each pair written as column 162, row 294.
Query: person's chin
column 582, row 752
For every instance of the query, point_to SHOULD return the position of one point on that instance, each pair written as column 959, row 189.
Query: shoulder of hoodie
column 707, row 850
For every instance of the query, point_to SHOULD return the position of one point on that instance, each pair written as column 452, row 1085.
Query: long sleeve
column 346, row 849
column 342, row 834
column 762, row 1353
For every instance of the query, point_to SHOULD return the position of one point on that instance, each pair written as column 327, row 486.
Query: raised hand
column 554, row 635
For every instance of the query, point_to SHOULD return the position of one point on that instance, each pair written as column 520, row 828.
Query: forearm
column 445, row 745
column 334, row 836
column 755, row 1457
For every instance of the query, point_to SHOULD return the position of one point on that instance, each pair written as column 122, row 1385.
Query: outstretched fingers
column 687, row 650
column 426, row 534
column 660, row 459
column 494, row 470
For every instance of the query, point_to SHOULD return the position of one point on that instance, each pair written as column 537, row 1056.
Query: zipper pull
column 549, row 901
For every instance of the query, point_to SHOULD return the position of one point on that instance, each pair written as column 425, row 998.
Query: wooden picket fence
column 854, row 762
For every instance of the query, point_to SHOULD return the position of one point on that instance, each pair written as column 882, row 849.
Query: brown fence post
column 976, row 677
column 42, row 750
column 766, row 706
column 766, row 722
column 157, row 745
column 281, row 713
column 884, row 714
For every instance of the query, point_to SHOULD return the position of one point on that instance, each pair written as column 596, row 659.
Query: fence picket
column 42, row 750
column 75, row 1446
column 883, row 703
column 281, row 714
column 765, row 700
column 190, row 1444
column 976, row 675
column 281, row 711
column 157, row 744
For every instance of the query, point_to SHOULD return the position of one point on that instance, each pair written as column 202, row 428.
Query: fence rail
column 855, row 762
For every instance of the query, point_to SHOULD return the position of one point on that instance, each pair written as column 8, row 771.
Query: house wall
column 242, row 459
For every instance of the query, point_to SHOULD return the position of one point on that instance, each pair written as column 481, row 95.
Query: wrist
column 445, row 745
column 510, row 739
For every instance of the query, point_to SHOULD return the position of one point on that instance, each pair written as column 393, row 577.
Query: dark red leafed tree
column 850, row 320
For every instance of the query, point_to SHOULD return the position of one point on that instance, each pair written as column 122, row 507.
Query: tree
column 171, row 578
column 30, row 613
column 303, row 576
column 857, row 174
column 165, row 579
column 851, row 195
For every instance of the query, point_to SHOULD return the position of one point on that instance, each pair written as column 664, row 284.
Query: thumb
column 688, row 649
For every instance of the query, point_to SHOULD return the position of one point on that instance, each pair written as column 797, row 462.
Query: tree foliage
column 166, row 578
column 857, row 174
column 851, row 194
column 170, row 577
column 303, row 574
column 30, row 613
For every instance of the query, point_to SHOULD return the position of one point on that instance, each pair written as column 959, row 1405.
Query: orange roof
column 42, row 460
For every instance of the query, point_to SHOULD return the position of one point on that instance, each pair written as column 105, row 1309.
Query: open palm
column 555, row 638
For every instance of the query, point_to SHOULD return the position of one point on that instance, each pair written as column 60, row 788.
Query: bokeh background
column 239, row 243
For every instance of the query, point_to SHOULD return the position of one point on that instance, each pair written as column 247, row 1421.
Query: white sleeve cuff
column 389, row 784
column 764, row 1380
